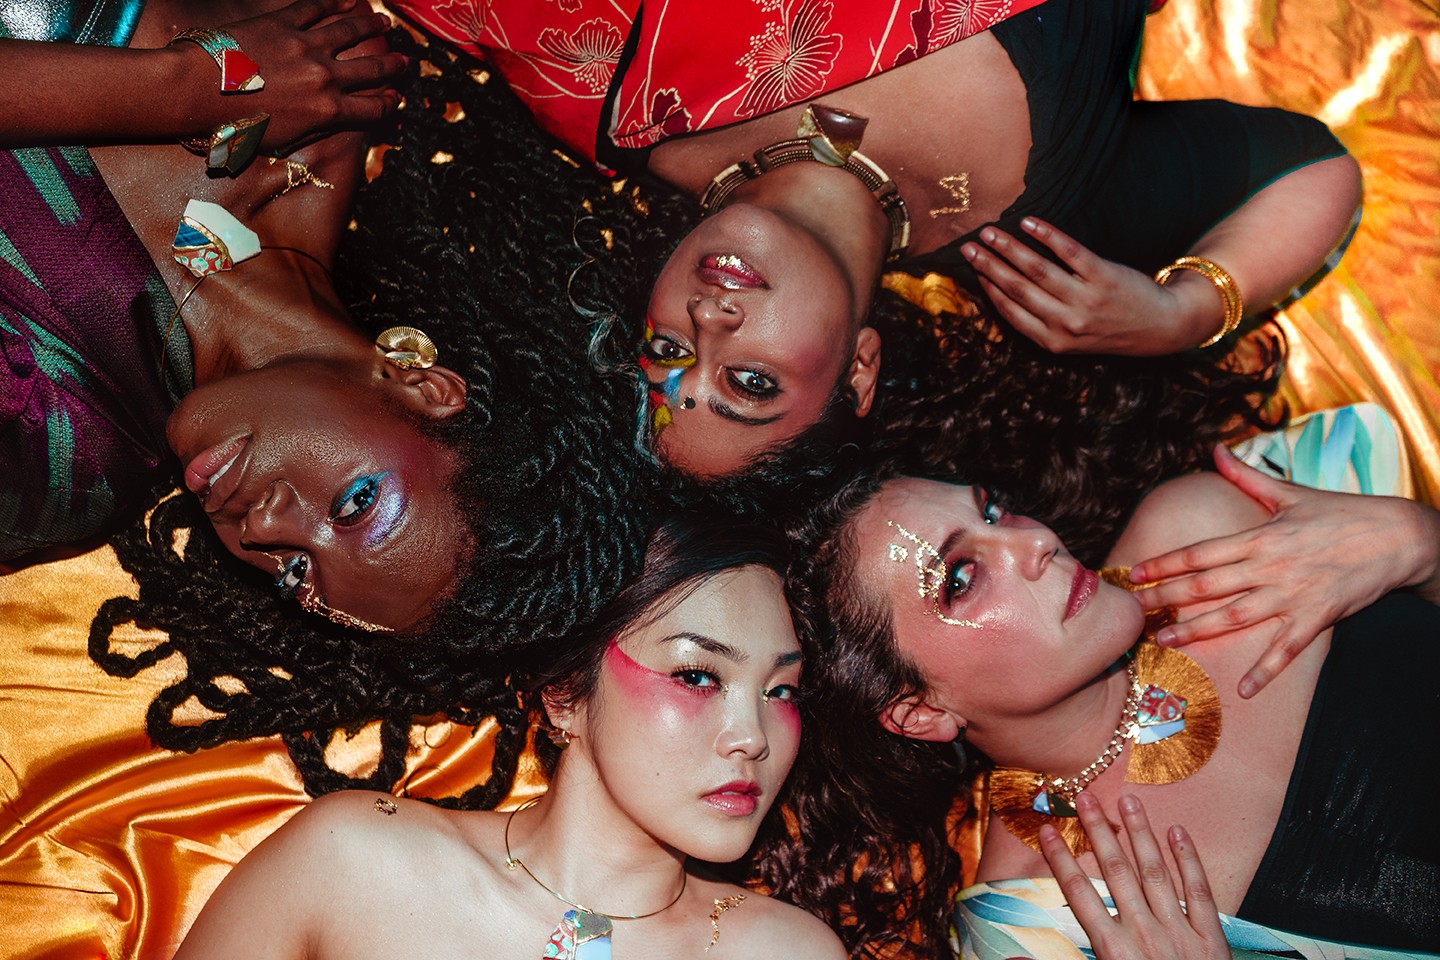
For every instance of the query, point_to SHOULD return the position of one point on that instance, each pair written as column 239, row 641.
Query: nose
column 743, row 735
column 276, row 519
column 716, row 313
column 1033, row 546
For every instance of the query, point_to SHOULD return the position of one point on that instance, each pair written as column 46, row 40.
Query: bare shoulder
column 1182, row 511
column 355, row 856
column 769, row 922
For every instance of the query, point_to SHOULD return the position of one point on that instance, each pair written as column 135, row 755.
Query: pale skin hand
column 318, row 78
column 1152, row 925
column 1319, row 558
column 1273, row 241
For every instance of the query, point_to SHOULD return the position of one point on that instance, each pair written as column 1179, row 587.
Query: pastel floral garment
column 1006, row 919
column 695, row 66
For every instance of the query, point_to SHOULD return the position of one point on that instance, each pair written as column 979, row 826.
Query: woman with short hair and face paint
column 672, row 723
column 957, row 624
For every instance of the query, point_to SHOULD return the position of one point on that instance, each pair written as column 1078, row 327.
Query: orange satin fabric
column 109, row 847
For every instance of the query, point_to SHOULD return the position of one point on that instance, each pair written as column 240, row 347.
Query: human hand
column 1096, row 306
column 1152, row 924
column 1319, row 558
column 325, row 64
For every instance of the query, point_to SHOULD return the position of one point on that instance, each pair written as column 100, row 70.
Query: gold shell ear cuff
column 407, row 348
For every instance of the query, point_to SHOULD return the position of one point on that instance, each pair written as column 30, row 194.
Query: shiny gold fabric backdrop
column 109, row 847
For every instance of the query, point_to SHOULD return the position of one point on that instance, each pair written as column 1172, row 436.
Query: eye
column 700, row 681
column 958, row 580
column 357, row 498
column 990, row 509
column 754, row 383
column 664, row 350
column 785, row 693
column 292, row 575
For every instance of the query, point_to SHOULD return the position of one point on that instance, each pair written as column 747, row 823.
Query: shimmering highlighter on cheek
column 641, row 685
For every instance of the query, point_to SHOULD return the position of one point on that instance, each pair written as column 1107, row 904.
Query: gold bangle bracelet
column 1229, row 292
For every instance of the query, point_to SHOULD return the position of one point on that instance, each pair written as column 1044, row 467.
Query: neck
column 1063, row 739
column 279, row 306
column 833, row 206
column 593, row 854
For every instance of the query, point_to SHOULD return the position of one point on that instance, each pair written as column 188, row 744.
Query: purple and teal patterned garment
column 83, row 313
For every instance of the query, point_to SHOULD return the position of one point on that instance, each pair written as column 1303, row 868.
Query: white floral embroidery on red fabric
column 592, row 50
column 569, row 6
column 957, row 19
column 788, row 61
column 466, row 16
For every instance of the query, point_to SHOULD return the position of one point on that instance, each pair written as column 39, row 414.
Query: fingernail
column 1165, row 636
column 969, row 251
column 1137, row 574
column 1248, row 688
column 987, row 235
column 1083, row 801
column 1030, row 223
column 1048, row 834
column 1128, row 803
column 1177, row 834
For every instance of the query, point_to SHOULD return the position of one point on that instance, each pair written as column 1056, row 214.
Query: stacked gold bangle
column 1229, row 292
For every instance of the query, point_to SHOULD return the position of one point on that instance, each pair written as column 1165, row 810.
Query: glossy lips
column 211, row 475
column 736, row 799
column 730, row 272
column 1082, row 589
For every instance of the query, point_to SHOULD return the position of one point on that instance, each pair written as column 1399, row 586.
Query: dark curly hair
column 1073, row 441
column 479, row 250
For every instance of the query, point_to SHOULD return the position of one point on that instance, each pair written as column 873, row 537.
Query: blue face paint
column 672, row 386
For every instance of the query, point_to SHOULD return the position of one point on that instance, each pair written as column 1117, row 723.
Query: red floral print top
column 695, row 66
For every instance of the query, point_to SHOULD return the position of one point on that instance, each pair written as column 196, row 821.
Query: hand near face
column 1094, row 306
column 1320, row 558
column 324, row 65
column 1153, row 923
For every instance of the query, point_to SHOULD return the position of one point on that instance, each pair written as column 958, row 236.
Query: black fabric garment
column 1135, row 182
column 1356, row 853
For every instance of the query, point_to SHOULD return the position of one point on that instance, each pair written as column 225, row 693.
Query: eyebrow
column 711, row 645
column 786, row 659
column 728, row 412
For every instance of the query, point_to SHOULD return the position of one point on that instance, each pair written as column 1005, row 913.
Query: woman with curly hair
column 981, row 124
column 677, row 711
column 956, row 623
column 444, row 521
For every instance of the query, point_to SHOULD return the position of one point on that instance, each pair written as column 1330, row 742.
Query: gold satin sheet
column 109, row 847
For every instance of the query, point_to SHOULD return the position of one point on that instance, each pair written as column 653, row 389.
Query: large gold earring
column 407, row 348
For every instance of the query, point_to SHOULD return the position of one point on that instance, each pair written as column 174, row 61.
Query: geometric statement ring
column 407, row 348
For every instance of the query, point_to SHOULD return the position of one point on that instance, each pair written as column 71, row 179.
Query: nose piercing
column 687, row 404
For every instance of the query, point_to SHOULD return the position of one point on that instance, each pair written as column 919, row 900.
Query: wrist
column 188, row 79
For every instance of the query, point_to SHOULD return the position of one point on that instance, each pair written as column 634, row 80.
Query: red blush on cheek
column 643, row 686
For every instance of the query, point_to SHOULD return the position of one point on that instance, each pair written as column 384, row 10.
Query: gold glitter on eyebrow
column 930, row 573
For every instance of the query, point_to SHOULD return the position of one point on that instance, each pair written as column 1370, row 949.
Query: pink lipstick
column 736, row 799
column 215, row 466
column 730, row 272
column 1082, row 589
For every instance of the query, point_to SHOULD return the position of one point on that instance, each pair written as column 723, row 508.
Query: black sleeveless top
column 1356, row 853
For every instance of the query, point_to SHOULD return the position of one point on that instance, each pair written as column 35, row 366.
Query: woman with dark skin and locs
column 1028, row 172
column 473, row 509
column 956, row 622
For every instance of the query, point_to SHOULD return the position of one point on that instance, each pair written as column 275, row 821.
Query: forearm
column 1425, row 553
column 63, row 93
column 1271, row 243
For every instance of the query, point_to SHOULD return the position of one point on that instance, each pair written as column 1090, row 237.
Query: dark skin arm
column 62, row 93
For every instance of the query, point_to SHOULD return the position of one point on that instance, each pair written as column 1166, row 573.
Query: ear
column 563, row 716
column 437, row 392
column 914, row 718
column 865, row 369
